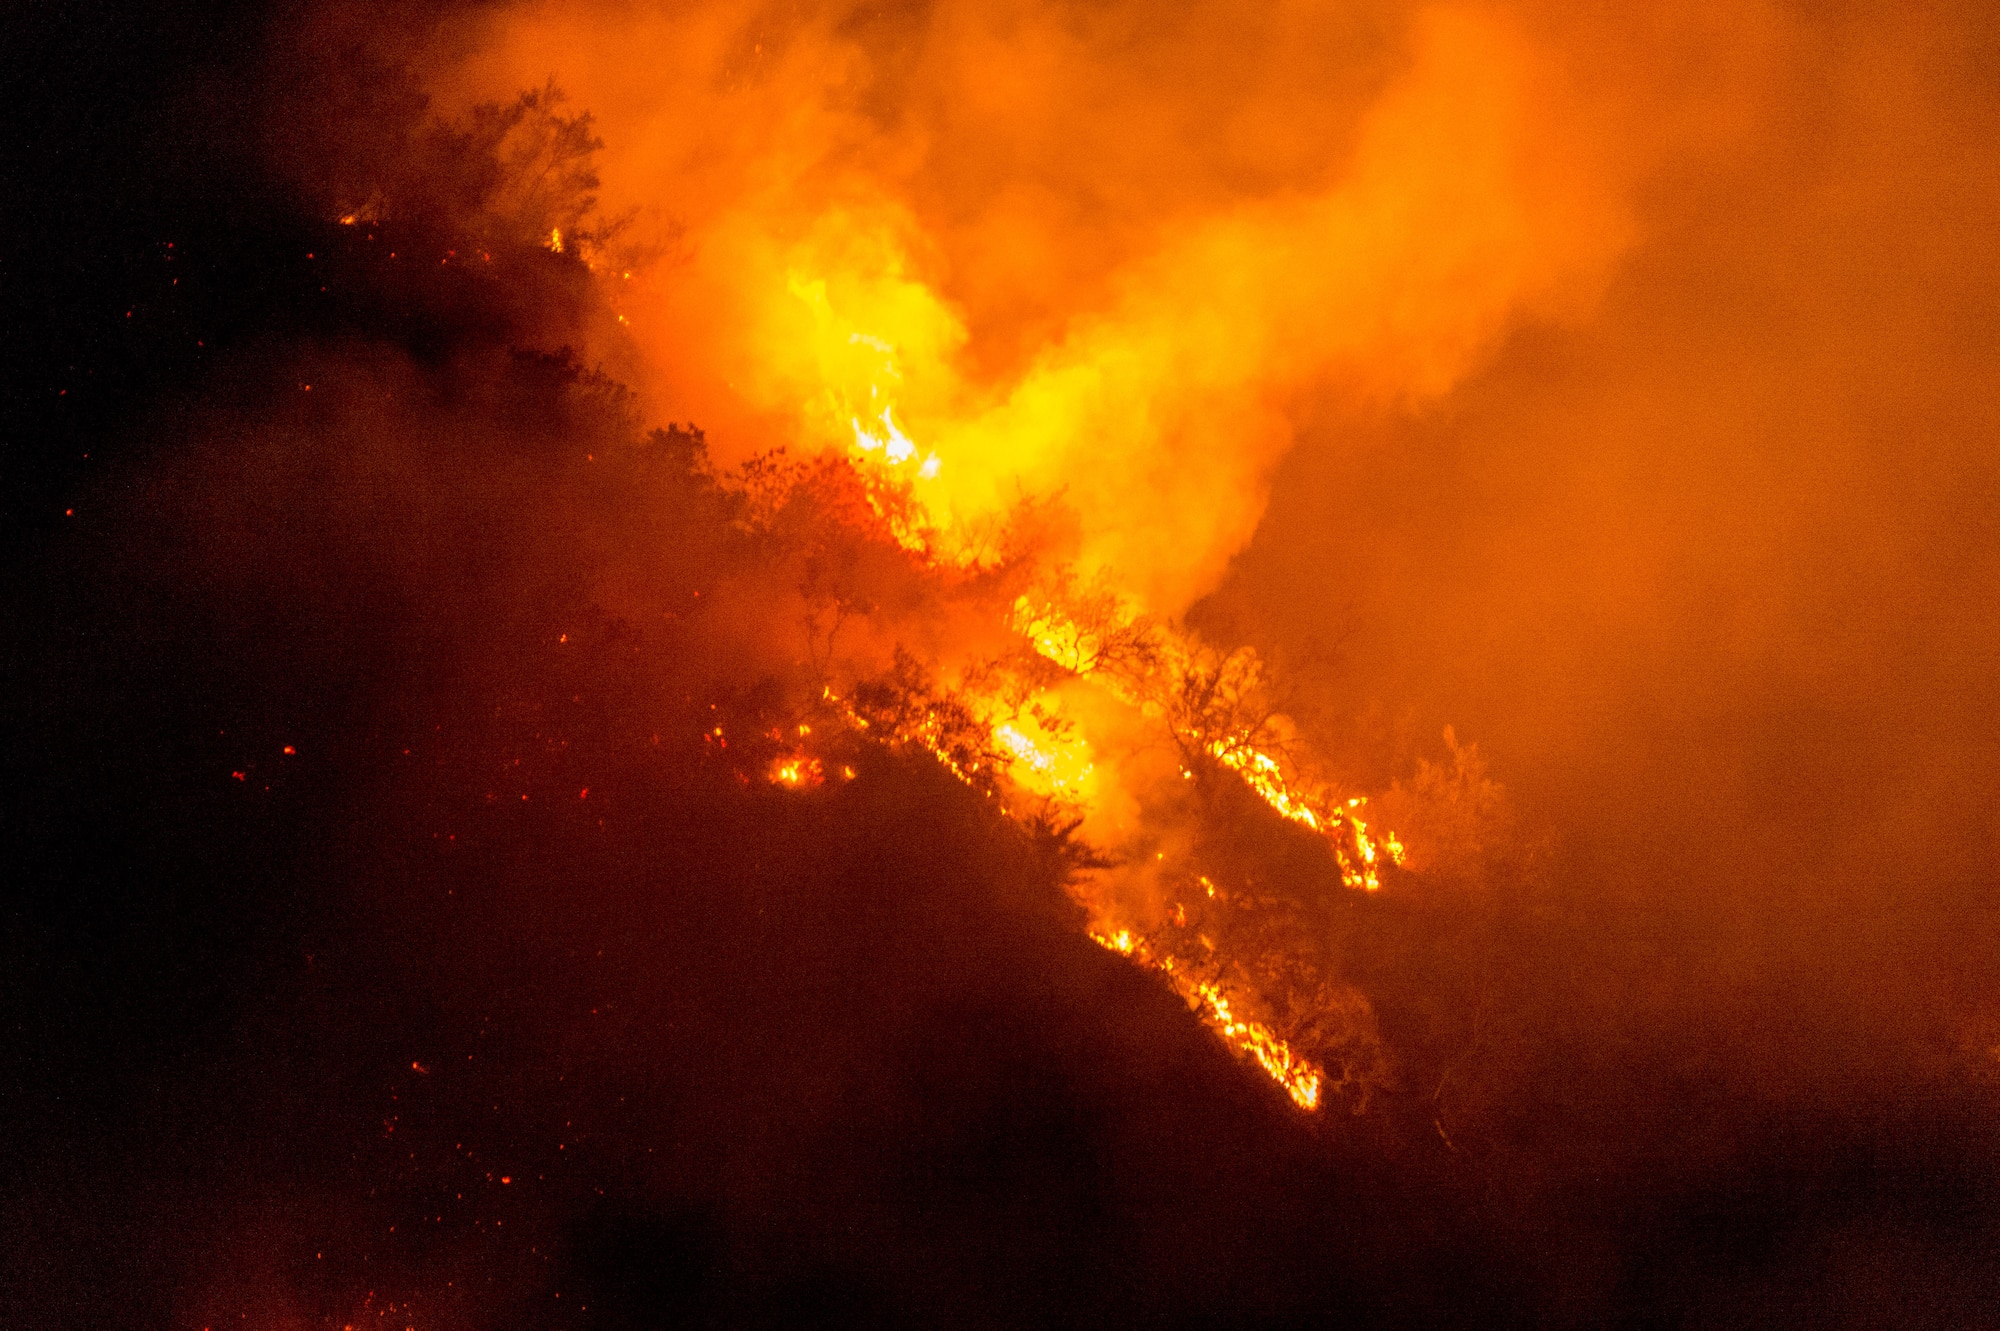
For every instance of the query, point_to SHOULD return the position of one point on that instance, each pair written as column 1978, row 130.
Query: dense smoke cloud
column 1090, row 251
column 1712, row 574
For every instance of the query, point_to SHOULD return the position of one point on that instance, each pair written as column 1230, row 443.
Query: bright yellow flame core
column 862, row 373
column 797, row 771
column 1050, row 765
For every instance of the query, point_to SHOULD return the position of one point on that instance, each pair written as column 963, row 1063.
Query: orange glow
column 1062, row 346
column 901, row 268
column 1299, row 1078
column 1059, row 730
column 797, row 772
column 1049, row 764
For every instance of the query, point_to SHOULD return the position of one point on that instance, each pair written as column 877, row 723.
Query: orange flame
column 845, row 277
column 1299, row 1078
column 797, row 772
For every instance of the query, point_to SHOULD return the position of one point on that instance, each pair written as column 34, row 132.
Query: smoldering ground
column 363, row 1033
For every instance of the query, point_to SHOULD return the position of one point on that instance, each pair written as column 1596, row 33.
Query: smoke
column 1094, row 253
column 1592, row 405
column 875, row 235
column 1707, row 575
column 1620, row 379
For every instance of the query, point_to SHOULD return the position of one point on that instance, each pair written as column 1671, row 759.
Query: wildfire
column 1047, row 728
column 864, row 376
column 1356, row 849
column 797, row 772
column 1049, row 764
column 1299, row 1078
column 1149, row 651
column 1008, row 730
column 1093, row 321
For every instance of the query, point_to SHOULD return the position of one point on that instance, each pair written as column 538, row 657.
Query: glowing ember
column 1300, row 1079
column 797, row 772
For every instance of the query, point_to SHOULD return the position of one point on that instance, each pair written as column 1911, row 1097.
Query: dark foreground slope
column 399, row 940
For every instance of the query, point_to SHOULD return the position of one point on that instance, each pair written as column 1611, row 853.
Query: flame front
column 1013, row 732
column 1300, row 1079
column 896, row 241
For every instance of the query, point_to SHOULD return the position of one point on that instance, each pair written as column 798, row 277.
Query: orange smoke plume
column 1049, row 294
column 1011, row 250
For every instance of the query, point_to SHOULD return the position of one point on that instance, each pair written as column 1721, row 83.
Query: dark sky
column 384, row 946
